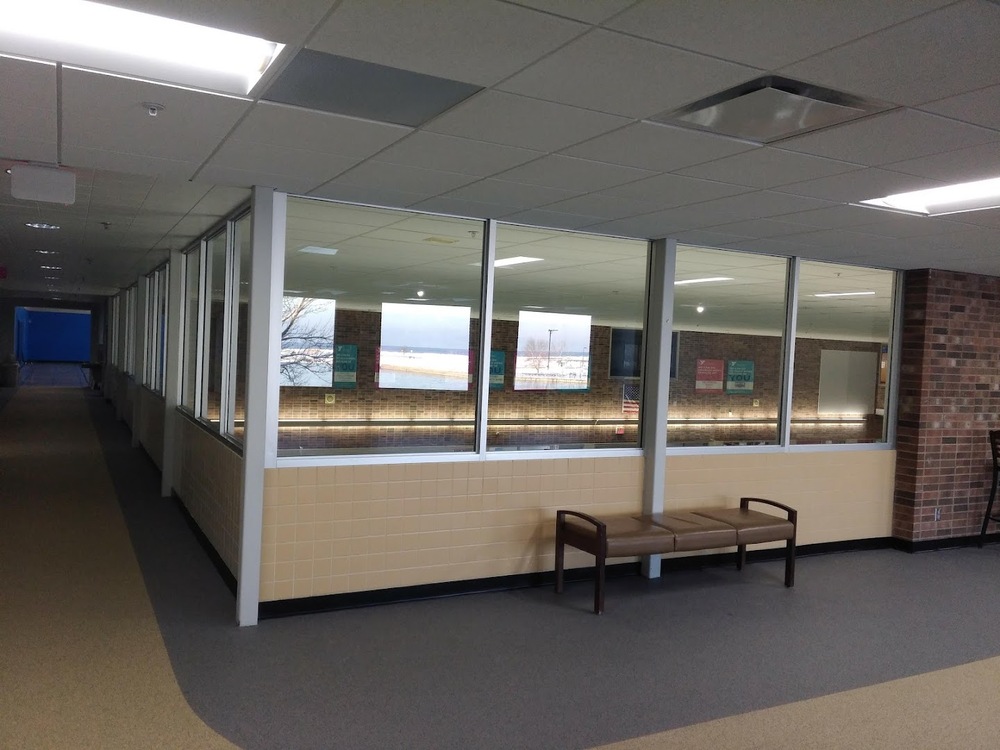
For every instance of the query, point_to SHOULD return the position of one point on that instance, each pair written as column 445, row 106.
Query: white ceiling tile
column 371, row 196
column 761, row 33
column 658, row 147
column 446, row 204
column 506, row 193
column 77, row 156
column 860, row 185
column 512, row 120
column 280, row 125
column 767, row 167
column 580, row 74
column 833, row 217
column 760, row 228
column 107, row 113
column 977, row 107
column 962, row 165
column 248, row 178
column 890, row 137
column 538, row 217
column 461, row 155
column 592, row 11
column 424, row 182
column 936, row 55
column 707, row 238
column 598, row 206
column 305, row 166
column 568, row 173
column 673, row 190
column 443, row 38
column 28, row 121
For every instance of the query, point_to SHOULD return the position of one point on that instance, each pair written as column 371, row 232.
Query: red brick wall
column 948, row 400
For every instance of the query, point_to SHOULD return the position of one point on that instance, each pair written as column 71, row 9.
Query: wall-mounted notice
column 709, row 375
column 498, row 362
column 739, row 376
column 345, row 366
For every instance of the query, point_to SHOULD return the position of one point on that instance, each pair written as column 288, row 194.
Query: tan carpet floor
column 83, row 664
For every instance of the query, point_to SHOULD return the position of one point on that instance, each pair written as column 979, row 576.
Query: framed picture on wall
column 626, row 353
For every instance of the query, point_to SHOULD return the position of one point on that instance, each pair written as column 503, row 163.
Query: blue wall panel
column 52, row 336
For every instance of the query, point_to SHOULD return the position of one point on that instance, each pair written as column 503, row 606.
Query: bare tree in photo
column 306, row 341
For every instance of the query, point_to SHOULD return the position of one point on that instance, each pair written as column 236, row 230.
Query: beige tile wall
column 210, row 484
column 330, row 530
column 840, row 495
column 150, row 427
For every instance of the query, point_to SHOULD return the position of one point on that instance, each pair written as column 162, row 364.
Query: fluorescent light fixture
column 51, row 268
column 705, row 280
column 41, row 225
column 314, row 250
column 47, row 252
column 115, row 40
column 845, row 294
column 950, row 199
column 515, row 261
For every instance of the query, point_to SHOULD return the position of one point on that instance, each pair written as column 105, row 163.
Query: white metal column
column 260, row 443
column 172, row 369
column 788, row 346
column 656, row 381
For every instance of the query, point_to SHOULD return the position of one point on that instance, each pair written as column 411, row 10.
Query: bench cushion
column 626, row 536
column 752, row 526
column 693, row 531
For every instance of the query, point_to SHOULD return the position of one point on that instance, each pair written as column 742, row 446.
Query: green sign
column 345, row 366
column 739, row 376
column 498, row 363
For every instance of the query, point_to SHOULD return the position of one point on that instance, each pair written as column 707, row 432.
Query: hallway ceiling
column 560, row 133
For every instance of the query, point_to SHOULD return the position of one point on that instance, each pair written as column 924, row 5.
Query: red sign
column 709, row 375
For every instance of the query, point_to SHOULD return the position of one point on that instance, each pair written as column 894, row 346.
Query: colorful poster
column 345, row 366
column 709, row 375
column 739, row 376
column 498, row 363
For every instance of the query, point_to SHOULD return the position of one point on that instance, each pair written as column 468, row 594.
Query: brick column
column 949, row 398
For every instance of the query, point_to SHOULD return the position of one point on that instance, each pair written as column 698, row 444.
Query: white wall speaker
column 46, row 184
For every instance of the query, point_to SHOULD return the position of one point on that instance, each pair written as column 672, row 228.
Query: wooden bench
column 660, row 533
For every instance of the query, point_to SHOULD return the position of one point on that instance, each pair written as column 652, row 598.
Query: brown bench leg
column 790, row 562
column 599, row 584
column 560, row 556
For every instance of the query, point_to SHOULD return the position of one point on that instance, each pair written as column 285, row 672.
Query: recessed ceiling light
column 41, row 225
column 47, row 252
column 705, row 280
column 127, row 42
column 51, row 268
column 700, row 309
column 52, row 278
column 314, row 250
column 950, row 199
column 844, row 294
column 513, row 261
column 420, row 292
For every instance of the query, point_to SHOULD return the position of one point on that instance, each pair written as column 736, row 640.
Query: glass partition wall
column 727, row 348
column 379, row 330
column 566, row 352
column 843, row 332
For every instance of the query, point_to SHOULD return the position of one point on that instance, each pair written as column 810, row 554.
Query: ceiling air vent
column 769, row 109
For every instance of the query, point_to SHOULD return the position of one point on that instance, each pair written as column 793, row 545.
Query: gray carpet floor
column 527, row 669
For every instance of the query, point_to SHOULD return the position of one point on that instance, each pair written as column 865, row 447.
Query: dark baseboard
column 220, row 565
column 951, row 543
column 333, row 602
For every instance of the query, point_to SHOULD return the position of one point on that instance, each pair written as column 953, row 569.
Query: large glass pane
column 192, row 296
column 244, row 248
column 841, row 354
column 380, row 324
column 163, row 285
column 215, row 326
column 565, row 365
column 729, row 320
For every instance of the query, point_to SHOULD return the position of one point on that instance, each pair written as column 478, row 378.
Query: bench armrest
column 792, row 513
column 561, row 518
